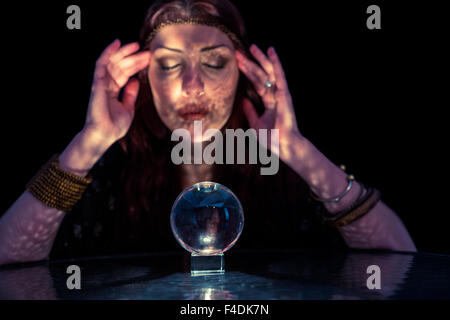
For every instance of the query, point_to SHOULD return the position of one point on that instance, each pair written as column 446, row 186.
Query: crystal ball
column 207, row 218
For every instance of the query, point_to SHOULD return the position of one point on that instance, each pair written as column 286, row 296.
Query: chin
column 199, row 130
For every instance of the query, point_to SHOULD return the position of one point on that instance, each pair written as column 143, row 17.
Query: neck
column 193, row 173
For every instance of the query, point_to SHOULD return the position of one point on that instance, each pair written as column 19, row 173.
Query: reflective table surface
column 250, row 275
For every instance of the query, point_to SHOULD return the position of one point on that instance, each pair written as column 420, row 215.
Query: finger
column 251, row 66
column 258, row 77
column 250, row 113
column 122, row 71
column 111, row 86
column 134, row 62
column 126, row 50
column 254, row 73
column 107, row 53
column 263, row 61
column 280, row 78
column 103, row 60
column 130, row 94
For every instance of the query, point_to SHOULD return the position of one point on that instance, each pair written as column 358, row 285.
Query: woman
column 193, row 64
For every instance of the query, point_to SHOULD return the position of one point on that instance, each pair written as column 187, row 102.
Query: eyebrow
column 201, row 50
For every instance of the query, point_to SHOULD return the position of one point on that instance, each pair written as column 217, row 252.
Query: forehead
column 190, row 37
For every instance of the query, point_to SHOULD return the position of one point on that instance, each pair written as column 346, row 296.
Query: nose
column 192, row 83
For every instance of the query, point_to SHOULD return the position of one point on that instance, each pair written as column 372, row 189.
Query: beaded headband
column 209, row 23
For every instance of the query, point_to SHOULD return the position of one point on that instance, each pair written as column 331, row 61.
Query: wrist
column 323, row 177
column 83, row 152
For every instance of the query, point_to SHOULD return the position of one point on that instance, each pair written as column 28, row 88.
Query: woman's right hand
column 107, row 117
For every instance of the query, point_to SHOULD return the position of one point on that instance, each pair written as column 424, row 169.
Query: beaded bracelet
column 327, row 216
column 57, row 188
column 356, row 211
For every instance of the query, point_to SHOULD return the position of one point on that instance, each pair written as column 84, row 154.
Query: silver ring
column 268, row 84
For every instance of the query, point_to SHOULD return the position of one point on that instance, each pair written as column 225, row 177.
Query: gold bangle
column 57, row 188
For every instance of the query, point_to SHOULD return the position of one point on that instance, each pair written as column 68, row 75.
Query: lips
column 193, row 112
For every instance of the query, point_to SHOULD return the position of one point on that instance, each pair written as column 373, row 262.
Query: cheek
column 222, row 90
column 165, row 93
column 163, row 88
column 224, row 81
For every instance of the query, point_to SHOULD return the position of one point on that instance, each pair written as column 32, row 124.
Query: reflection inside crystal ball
column 207, row 218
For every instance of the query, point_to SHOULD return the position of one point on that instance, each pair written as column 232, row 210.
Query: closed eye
column 170, row 67
column 214, row 66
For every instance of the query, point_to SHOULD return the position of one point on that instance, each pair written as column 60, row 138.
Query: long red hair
column 150, row 181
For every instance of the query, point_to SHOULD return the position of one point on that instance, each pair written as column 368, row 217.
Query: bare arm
column 380, row 228
column 29, row 227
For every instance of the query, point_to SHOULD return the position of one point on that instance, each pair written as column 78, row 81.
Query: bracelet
column 350, row 180
column 371, row 198
column 57, row 188
column 329, row 217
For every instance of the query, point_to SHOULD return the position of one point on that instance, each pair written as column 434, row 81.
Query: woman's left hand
column 279, row 110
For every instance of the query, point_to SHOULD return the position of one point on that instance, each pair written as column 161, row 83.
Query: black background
column 373, row 100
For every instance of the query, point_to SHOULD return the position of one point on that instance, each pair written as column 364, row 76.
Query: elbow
column 402, row 243
column 403, row 248
column 11, row 259
column 405, row 245
column 396, row 247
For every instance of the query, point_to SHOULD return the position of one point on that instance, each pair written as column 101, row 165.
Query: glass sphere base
column 204, row 265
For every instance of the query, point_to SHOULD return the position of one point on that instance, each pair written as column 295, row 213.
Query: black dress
column 278, row 214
